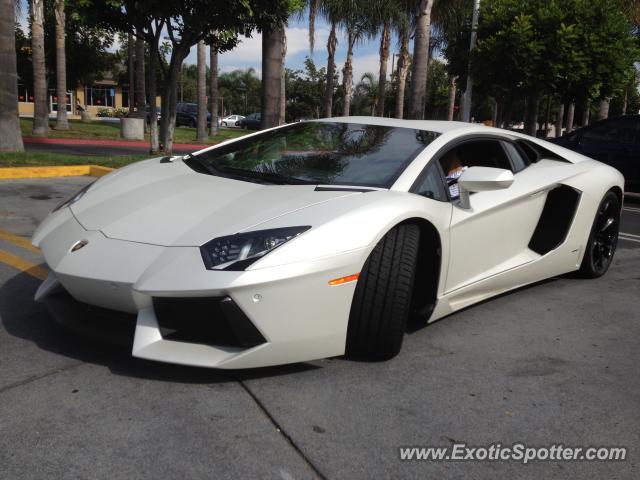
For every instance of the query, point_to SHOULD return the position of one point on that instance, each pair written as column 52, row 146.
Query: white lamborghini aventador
column 323, row 238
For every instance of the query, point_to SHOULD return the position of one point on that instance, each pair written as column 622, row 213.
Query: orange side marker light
column 347, row 279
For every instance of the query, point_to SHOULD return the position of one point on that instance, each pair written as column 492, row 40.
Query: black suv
column 614, row 141
column 187, row 114
column 251, row 122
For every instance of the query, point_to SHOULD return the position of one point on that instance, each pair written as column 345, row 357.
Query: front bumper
column 292, row 307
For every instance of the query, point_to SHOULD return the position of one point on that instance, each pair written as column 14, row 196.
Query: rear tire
column 603, row 239
column 382, row 300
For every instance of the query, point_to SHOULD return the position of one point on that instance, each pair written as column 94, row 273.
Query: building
column 102, row 94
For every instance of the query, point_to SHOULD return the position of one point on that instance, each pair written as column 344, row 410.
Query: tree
column 11, row 138
column 140, row 84
column 201, row 134
column 213, row 88
column 272, row 60
column 578, row 50
column 131, row 70
column 40, row 93
column 420, row 59
column 185, row 24
column 403, row 28
column 61, row 67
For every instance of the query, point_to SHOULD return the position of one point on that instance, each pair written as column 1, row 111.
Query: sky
column 248, row 52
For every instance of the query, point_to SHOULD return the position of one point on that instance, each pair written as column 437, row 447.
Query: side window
column 478, row 153
column 518, row 161
column 431, row 184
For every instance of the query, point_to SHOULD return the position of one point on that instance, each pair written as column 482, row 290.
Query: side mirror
column 482, row 179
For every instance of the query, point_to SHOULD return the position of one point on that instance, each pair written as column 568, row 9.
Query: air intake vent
column 555, row 220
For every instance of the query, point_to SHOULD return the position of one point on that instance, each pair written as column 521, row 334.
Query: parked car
column 187, row 115
column 614, row 141
column 251, row 122
column 317, row 239
column 231, row 121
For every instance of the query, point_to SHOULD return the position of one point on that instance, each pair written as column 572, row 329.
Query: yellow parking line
column 14, row 173
column 23, row 265
column 18, row 240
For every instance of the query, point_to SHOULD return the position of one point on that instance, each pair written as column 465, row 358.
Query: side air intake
column 555, row 220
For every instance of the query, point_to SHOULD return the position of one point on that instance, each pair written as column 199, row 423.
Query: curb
column 14, row 173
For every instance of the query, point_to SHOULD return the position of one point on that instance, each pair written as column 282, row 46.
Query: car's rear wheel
column 603, row 238
column 382, row 299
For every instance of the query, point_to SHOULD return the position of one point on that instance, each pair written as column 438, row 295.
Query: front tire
column 603, row 239
column 382, row 299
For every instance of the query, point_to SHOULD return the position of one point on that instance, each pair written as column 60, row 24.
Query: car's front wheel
column 603, row 238
column 382, row 299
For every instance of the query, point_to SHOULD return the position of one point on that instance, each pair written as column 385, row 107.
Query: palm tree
column 420, row 59
column 272, row 65
column 368, row 90
column 354, row 17
column 201, row 135
column 11, row 138
column 131, row 66
column 61, row 67
column 141, row 94
column 332, row 43
column 403, row 27
column 213, row 88
column 385, row 41
column 40, row 109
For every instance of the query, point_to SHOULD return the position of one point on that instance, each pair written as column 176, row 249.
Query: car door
column 493, row 235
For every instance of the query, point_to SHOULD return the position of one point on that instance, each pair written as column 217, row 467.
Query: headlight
column 237, row 252
column 74, row 199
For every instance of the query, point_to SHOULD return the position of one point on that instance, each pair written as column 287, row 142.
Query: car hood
column 169, row 204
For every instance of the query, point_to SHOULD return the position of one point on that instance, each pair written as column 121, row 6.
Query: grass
column 98, row 130
column 43, row 159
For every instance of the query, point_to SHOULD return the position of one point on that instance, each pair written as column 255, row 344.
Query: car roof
column 438, row 126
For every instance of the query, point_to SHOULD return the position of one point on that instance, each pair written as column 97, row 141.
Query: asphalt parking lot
column 556, row 362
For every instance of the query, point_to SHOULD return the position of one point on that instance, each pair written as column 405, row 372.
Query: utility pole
column 466, row 101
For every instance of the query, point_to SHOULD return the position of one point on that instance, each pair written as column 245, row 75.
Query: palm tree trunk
column 586, row 112
column 271, row 75
column 451, row 107
column 213, row 88
column 385, row 40
column 40, row 109
column 141, row 95
column 170, row 99
column 603, row 108
column 11, row 138
column 153, row 108
column 531, row 114
column 201, row 134
column 402, row 71
column 131, row 65
column 61, row 67
column 420, row 60
column 570, row 115
column 283, row 98
column 347, row 74
column 331, row 71
column 559, row 120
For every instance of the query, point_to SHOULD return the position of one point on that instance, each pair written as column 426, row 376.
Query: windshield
column 325, row 153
